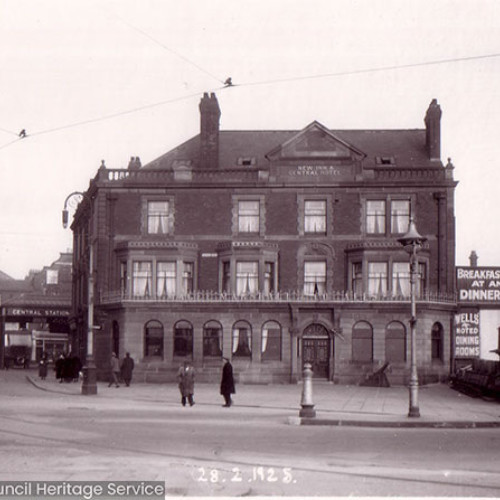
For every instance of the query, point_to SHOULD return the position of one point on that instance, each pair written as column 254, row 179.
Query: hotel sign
column 478, row 285
column 312, row 172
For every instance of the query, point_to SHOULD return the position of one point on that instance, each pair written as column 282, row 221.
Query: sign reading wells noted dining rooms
column 467, row 334
column 478, row 285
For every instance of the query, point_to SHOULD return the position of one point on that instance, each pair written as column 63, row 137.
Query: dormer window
column 247, row 161
column 385, row 160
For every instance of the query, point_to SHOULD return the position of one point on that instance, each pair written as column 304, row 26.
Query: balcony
column 338, row 297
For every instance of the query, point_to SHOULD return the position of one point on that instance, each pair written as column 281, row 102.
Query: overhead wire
column 255, row 83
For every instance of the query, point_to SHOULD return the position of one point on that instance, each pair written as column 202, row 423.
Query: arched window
column 395, row 342
column 212, row 339
column 362, row 341
column 271, row 341
column 183, row 339
column 242, row 340
column 437, row 341
column 153, row 339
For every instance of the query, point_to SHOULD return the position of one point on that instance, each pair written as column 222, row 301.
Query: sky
column 110, row 79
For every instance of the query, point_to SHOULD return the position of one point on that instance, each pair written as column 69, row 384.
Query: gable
column 315, row 142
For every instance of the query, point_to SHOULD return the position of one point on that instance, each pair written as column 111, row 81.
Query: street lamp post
column 412, row 242
column 89, row 384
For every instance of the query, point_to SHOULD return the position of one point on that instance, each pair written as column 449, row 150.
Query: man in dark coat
column 127, row 369
column 185, row 377
column 227, row 382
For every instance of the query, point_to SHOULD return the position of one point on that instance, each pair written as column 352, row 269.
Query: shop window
column 437, row 342
column 314, row 277
column 271, row 341
column 362, row 342
column 153, row 339
column 400, row 216
column 395, row 342
column 183, row 339
column 248, row 216
column 315, row 216
column 212, row 339
column 377, row 279
column 242, row 340
column 142, row 279
column 158, row 217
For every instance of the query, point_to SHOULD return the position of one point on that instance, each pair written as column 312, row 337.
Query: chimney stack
column 433, row 130
column 473, row 259
column 209, row 131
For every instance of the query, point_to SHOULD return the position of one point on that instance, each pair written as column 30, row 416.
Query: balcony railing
column 278, row 297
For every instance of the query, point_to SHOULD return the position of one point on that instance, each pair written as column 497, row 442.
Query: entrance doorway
column 316, row 350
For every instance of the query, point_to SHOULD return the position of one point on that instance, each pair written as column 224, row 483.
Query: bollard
column 307, row 390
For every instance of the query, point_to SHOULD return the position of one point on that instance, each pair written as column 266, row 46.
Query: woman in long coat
column 185, row 377
column 227, row 383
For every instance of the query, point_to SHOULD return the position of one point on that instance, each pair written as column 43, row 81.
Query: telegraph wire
column 161, row 44
column 367, row 70
column 229, row 83
column 8, row 131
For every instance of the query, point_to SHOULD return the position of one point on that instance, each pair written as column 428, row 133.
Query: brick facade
column 273, row 242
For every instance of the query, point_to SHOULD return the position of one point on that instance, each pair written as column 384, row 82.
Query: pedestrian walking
column 42, row 367
column 127, row 369
column 58, row 367
column 185, row 377
column 227, row 382
column 115, row 371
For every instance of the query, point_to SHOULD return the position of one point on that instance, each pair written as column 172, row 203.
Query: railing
column 278, row 297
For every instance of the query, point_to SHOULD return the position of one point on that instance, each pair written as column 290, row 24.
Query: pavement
column 338, row 405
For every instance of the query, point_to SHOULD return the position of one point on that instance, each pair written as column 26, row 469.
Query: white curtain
column 165, row 279
column 142, row 279
column 247, row 278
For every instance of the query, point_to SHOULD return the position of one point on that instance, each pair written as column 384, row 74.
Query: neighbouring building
column 273, row 249
column 35, row 312
column 477, row 325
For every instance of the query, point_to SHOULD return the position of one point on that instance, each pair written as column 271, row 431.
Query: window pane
column 401, row 279
column 212, row 340
column 226, row 277
column 142, row 279
column 158, row 217
column 183, row 340
column 375, row 217
column 377, row 278
column 362, row 342
column 395, row 342
column 400, row 216
column 271, row 342
column 314, row 277
column 165, row 279
column 242, row 342
column 357, row 278
column 247, row 277
column 315, row 216
column 248, row 216
column 269, row 278
column 187, row 277
column 153, row 345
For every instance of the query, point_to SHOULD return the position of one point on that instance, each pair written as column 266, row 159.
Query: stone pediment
column 315, row 142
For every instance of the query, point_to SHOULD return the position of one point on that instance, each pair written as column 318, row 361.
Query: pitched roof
column 407, row 147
